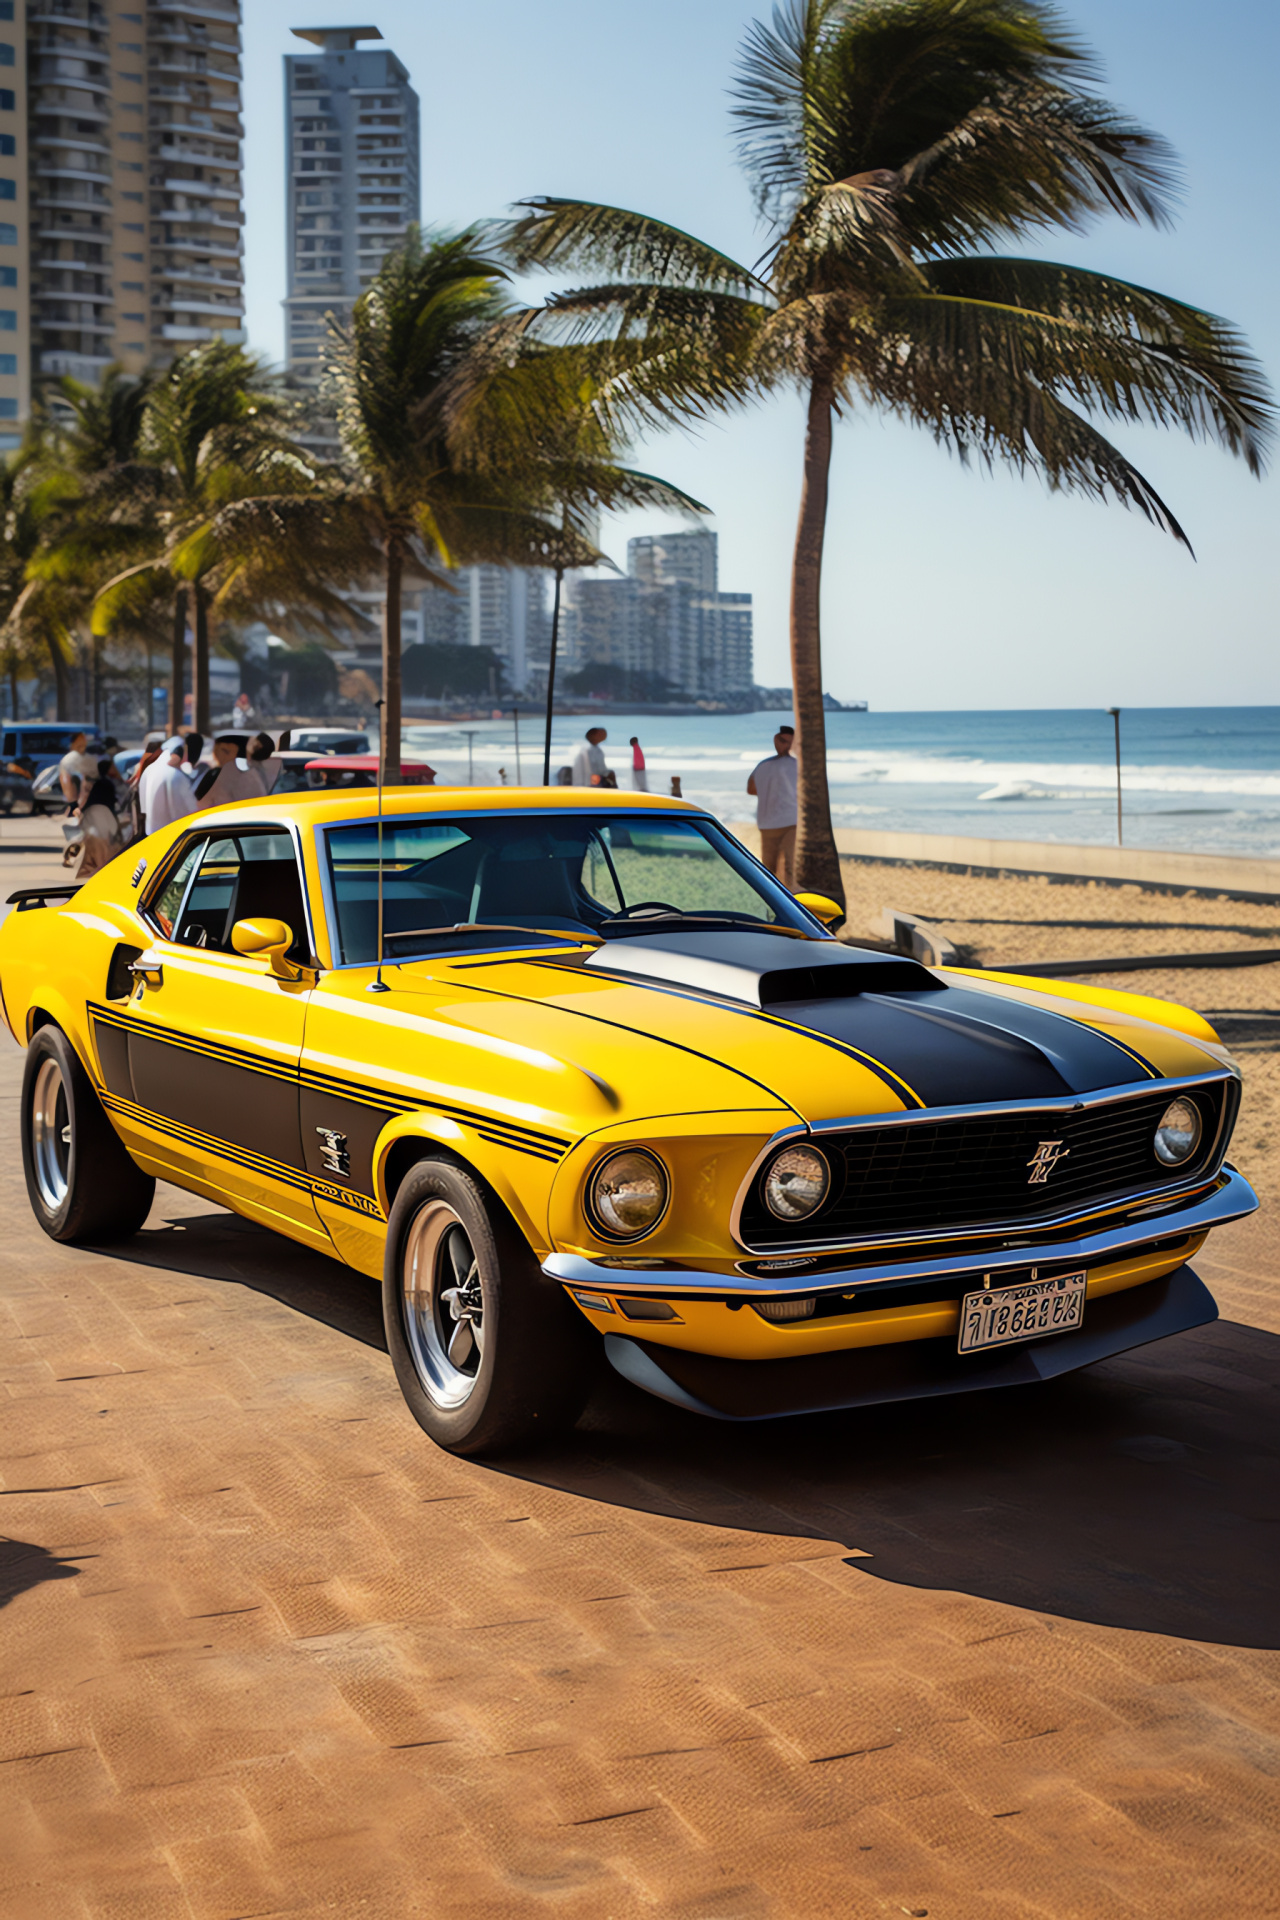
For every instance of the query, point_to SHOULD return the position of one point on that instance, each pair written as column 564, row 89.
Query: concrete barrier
column 1161, row 870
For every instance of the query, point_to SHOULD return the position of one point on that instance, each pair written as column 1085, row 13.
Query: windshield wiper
column 486, row 926
column 655, row 922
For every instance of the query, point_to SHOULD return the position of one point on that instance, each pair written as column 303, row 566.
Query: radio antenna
column 378, row 984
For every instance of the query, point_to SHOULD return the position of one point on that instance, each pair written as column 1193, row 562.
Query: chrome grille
column 974, row 1169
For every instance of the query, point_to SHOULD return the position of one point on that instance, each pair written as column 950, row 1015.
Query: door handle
column 148, row 968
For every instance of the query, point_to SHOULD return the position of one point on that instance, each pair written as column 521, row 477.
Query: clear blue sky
column 943, row 588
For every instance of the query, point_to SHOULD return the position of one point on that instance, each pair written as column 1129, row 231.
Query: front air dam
column 866, row 1376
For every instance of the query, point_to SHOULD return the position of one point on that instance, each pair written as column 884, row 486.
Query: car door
column 201, row 1063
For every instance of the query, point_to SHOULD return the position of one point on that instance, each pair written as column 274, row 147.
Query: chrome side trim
column 917, row 1116
column 1232, row 1199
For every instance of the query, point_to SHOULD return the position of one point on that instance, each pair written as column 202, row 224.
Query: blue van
column 38, row 744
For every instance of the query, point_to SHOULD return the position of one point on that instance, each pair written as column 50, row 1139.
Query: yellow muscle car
column 572, row 1073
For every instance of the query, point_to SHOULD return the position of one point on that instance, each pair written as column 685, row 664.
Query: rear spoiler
column 28, row 898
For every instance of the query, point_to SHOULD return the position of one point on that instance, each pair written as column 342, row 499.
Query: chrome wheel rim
column 443, row 1304
column 51, row 1135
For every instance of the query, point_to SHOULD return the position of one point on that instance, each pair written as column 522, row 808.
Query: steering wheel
column 645, row 906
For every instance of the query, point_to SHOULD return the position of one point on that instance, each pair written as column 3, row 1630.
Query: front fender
column 521, row 1180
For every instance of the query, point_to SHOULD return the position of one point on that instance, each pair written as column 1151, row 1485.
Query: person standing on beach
column 774, row 783
column 589, row 764
column 639, row 776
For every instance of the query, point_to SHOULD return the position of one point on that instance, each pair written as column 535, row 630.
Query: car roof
column 325, row 806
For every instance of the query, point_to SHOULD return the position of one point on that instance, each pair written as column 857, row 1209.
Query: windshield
column 613, row 877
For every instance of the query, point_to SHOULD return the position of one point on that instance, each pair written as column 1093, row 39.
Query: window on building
column 8, row 190
column 8, row 409
column 6, row 9
column 8, row 234
column 6, row 53
column 8, row 320
column 7, row 102
column 8, row 363
column 8, row 276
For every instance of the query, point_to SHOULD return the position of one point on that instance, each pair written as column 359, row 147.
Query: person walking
column 639, row 775
column 774, row 783
column 164, row 792
column 77, row 769
column 589, row 763
column 100, row 838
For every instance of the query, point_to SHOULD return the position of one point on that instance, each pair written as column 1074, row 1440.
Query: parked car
column 328, row 740
column 361, row 770
column 39, row 744
column 15, row 793
column 292, row 775
column 575, row 1076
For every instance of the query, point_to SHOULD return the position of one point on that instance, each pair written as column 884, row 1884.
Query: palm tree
column 891, row 145
column 211, row 431
column 464, row 443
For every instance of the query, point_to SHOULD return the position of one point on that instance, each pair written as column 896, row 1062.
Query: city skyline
column 987, row 590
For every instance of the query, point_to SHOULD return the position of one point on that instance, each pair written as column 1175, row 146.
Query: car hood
column 823, row 1028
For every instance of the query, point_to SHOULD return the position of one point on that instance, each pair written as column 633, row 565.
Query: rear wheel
column 489, row 1355
column 81, row 1183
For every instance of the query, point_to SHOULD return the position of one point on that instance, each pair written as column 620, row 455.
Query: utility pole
column 515, row 715
column 1115, row 715
column 471, row 774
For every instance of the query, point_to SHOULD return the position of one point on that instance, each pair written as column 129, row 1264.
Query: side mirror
column 828, row 911
column 266, row 940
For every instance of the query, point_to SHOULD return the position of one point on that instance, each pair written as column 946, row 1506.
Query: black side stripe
column 216, row 1149
column 509, row 1133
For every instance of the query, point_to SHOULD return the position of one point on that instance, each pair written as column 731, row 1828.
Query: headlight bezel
column 816, row 1153
column 598, row 1224
column 1184, row 1160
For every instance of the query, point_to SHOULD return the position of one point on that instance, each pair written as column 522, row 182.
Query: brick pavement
column 265, row 1651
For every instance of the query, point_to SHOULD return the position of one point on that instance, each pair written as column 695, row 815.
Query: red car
column 361, row 770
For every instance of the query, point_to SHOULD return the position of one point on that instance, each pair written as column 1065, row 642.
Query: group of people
column 591, row 769
column 172, row 779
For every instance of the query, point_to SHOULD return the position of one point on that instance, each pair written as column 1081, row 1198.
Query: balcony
column 73, row 205
column 71, row 323
column 81, row 366
column 74, row 294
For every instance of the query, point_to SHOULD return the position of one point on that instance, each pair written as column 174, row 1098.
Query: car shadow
column 24, row 1565
column 1139, row 1494
column 225, row 1246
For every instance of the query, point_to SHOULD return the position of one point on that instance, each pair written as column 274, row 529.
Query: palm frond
column 622, row 245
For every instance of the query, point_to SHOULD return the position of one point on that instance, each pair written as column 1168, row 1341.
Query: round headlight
column 629, row 1193
column 796, row 1184
column 1178, row 1134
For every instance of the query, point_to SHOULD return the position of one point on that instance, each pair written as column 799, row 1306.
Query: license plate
column 999, row 1314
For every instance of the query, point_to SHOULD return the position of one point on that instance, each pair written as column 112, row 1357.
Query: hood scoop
column 762, row 969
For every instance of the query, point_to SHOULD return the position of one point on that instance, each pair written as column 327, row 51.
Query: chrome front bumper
column 1232, row 1198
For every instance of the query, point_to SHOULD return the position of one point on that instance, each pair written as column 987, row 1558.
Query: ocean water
column 1195, row 778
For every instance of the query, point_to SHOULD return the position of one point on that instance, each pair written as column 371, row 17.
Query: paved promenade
column 265, row 1651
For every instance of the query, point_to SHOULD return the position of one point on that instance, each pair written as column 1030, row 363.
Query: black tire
column 525, row 1358
column 82, row 1184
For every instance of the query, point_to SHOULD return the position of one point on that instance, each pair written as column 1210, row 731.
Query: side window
column 10, row 745
column 162, row 909
column 246, row 876
column 223, row 878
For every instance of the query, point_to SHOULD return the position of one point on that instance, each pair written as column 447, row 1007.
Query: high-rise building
column 351, row 159
column 15, row 229
column 660, row 559
column 666, row 620
column 129, row 224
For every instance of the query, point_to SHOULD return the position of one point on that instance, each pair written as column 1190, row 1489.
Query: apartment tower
column 351, row 158
column 133, row 203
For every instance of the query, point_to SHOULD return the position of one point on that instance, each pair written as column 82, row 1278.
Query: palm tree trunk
column 60, row 678
column 551, row 677
column 817, row 862
column 177, row 659
column 391, row 683
column 200, row 662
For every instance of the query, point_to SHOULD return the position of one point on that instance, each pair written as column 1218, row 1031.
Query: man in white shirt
column 231, row 777
column 589, row 763
column 774, row 784
column 76, row 765
column 164, row 792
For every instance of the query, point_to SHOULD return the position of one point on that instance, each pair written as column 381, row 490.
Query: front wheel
column 81, row 1182
column 489, row 1355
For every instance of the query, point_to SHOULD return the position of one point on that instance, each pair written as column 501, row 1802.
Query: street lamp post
column 515, row 715
column 470, row 733
column 1115, row 715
